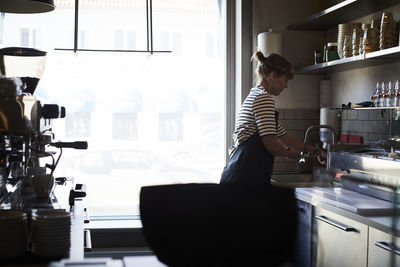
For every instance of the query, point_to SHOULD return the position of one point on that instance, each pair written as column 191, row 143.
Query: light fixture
column 26, row 6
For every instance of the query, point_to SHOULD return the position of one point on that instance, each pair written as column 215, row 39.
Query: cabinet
column 304, row 234
column 340, row 241
column 343, row 12
column 382, row 251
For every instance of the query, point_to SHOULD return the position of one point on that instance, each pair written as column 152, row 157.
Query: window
column 170, row 127
column 148, row 118
column 209, row 45
column 77, row 124
column 124, row 126
column 119, row 39
column 29, row 37
column 24, row 37
column 177, row 44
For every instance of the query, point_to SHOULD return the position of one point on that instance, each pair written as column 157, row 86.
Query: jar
column 317, row 57
column 331, row 52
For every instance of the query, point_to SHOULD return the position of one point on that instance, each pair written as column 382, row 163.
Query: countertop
column 368, row 210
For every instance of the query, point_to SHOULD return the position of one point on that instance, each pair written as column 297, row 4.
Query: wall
column 297, row 46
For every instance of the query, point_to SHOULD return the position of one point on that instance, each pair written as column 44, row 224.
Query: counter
column 364, row 209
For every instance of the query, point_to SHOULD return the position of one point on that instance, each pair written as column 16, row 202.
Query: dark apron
column 251, row 163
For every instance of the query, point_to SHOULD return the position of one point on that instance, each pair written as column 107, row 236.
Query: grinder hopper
column 28, row 64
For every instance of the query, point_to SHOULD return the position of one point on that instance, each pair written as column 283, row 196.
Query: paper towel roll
column 269, row 42
column 328, row 117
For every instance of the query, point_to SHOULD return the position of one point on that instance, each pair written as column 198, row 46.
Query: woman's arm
column 277, row 148
column 299, row 145
column 293, row 142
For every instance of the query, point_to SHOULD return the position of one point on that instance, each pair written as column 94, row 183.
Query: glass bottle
column 396, row 94
column 374, row 96
column 382, row 97
column 389, row 94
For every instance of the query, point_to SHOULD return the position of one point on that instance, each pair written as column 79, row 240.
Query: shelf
column 376, row 108
column 371, row 59
column 343, row 12
column 364, row 108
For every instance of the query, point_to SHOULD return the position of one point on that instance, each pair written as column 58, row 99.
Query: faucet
column 304, row 154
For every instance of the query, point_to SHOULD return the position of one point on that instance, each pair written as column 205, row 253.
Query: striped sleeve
column 264, row 113
column 280, row 131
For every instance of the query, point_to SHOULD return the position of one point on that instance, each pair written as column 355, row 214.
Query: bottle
column 383, row 95
column 374, row 96
column 396, row 94
column 389, row 95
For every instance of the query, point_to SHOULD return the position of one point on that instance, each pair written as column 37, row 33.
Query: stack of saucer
column 357, row 33
column 51, row 233
column 386, row 37
column 12, row 233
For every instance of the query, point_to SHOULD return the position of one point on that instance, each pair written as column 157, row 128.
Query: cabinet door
column 303, row 246
column 382, row 251
column 340, row 241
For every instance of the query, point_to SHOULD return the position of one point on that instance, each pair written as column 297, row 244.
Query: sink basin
column 380, row 155
column 296, row 180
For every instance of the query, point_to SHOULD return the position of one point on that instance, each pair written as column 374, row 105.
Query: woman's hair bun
column 259, row 56
column 272, row 63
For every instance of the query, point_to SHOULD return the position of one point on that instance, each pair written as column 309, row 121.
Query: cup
column 36, row 171
column 43, row 185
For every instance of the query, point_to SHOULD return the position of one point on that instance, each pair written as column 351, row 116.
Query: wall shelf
column 371, row 59
column 343, row 12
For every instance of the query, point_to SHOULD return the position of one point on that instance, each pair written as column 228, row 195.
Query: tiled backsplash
column 296, row 122
column 371, row 124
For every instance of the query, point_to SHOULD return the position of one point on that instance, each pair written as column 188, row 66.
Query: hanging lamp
column 26, row 6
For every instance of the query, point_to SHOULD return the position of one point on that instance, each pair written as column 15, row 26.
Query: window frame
column 149, row 35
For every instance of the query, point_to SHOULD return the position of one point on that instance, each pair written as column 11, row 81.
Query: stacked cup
column 357, row 33
column 370, row 41
column 12, row 233
column 51, row 233
column 347, row 50
column 344, row 30
column 386, row 37
column 43, row 185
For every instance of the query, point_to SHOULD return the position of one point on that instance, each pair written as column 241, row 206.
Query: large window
column 148, row 118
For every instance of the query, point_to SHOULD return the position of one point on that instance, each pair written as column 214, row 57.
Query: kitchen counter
column 364, row 209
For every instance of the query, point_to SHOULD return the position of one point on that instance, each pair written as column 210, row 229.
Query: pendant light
column 26, row 6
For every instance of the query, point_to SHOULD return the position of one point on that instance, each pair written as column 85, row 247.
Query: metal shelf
column 343, row 12
column 371, row 59
column 382, row 108
column 364, row 108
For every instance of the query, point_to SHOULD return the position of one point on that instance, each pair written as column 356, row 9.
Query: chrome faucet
column 305, row 154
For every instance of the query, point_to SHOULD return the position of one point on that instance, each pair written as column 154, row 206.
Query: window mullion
column 76, row 26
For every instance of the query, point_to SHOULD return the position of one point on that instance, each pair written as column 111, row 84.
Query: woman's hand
column 321, row 157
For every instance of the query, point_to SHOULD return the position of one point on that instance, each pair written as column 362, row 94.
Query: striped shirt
column 257, row 114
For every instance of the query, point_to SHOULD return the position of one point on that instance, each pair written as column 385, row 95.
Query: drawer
column 340, row 240
column 381, row 250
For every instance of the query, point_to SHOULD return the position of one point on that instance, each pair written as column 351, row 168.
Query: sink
column 380, row 155
column 294, row 180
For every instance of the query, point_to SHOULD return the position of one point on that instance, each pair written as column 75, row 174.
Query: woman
column 258, row 136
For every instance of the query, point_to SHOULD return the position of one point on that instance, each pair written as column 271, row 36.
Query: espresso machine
column 25, row 123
